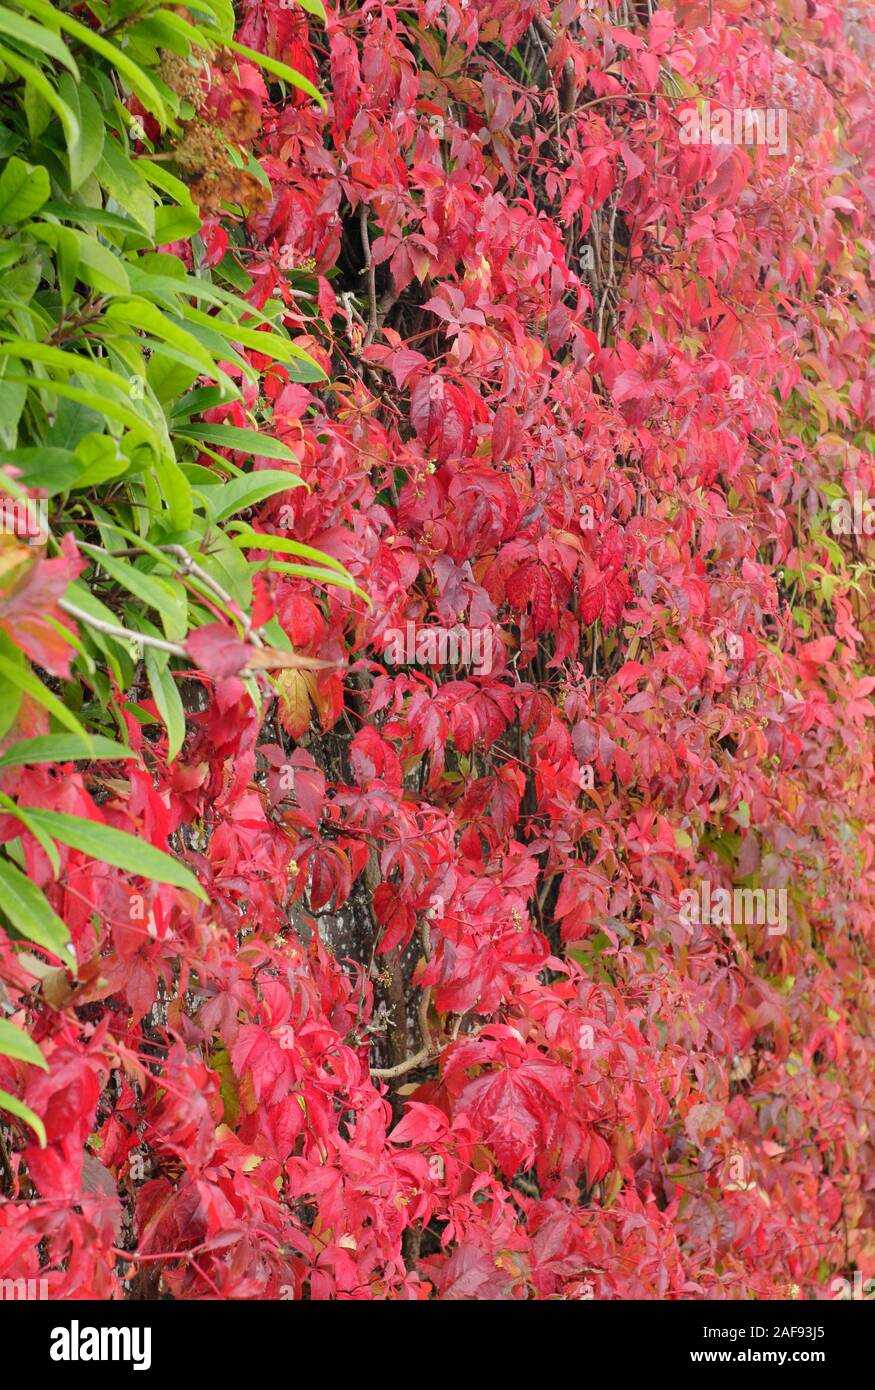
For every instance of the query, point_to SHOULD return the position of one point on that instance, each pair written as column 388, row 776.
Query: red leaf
column 217, row 651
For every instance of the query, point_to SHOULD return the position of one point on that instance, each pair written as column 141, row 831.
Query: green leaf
column 23, row 189
column 271, row 344
column 37, row 111
column 240, row 493
column 168, row 30
column 24, row 1112
column 221, row 13
column 46, row 91
column 168, row 377
column 160, row 177
column 68, row 263
column 195, row 402
column 168, row 701
column 224, row 563
column 113, row 409
column 98, row 458
column 116, row 847
column 99, row 268
column 15, row 1043
column 63, row 361
column 139, row 81
column 63, row 748
column 176, row 492
column 167, row 597
column 37, row 37
column 10, row 703
column 278, row 69
column 140, row 313
column 247, row 441
column 87, row 150
column 117, row 173
column 73, row 422
column 23, row 677
column 55, row 470
column 114, row 649
column 13, row 395
column 47, row 845
column 260, row 540
column 97, row 217
column 176, row 224
column 316, row 576
column 31, row 913
column 275, row 635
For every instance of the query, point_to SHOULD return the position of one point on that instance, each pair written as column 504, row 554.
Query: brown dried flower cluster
column 204, row 154
column 183, row 79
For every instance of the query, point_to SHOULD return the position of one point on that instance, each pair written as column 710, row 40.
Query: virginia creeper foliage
column 554, row 373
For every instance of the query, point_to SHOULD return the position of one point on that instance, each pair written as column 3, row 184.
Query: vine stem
column 425, row 1054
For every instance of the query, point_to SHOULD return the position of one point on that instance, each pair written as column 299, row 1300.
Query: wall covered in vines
column 436, row 790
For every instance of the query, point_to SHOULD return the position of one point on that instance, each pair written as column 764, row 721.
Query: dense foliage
column 336, row 967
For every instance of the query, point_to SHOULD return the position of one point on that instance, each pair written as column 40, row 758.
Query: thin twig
column 190, row 566
column 144, row 639
column 372, row 274
column 609, row 280
column 550, row 79
column 425, row 1001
